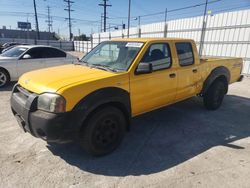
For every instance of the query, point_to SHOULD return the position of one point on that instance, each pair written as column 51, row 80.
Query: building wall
column 20, row 34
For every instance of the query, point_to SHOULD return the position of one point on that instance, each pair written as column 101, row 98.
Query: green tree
column 82, row 37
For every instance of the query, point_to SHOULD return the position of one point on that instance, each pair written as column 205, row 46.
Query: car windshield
column 114, row 56
column 14, row 52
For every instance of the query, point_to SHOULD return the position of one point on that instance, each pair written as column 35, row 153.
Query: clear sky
column 87, row 13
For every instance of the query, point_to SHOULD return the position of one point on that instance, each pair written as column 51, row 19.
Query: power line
column 104, row 5
column 69, row 4
column 59, row 18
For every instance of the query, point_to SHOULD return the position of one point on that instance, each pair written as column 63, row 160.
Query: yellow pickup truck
column 93, row 101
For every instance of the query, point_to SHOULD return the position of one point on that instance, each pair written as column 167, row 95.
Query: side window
column 35, row 53
column 185, row 53
column 159, row 56
column 52, row 53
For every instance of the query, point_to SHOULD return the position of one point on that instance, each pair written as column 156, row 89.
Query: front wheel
column 214, row 96
column 104, row 131
column 4, row 78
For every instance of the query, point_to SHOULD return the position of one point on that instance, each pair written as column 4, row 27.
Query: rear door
column 35, row 61
column 156, row 89
column 188, row 71
column 54, row 57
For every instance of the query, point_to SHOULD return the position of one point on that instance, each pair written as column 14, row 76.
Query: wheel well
column 118, row 105
column 1, row 68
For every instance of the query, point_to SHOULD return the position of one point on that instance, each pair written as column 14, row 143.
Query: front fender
column 11, row 67
column 91, row 102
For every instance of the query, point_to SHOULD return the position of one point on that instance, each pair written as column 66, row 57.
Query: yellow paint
column 147, row 91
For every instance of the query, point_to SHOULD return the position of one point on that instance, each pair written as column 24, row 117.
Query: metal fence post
column 203, row 29
column 99, row 38
column 91, row 40
column 139, row 26
column 166, row 24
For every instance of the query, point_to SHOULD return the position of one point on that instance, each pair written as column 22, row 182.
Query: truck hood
column 55, row 78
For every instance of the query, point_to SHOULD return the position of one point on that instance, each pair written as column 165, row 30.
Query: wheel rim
column 3, row 79
column 106, row 133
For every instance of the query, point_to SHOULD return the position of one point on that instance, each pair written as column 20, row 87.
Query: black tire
column 4, row 78
column 214, row 96
column 104, row 131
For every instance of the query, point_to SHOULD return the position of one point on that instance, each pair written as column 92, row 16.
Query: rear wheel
column 214, row 96
column 4, row 78
column 104, row 131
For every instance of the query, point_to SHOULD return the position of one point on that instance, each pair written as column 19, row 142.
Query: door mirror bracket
column 144, row 68
column 26, row 56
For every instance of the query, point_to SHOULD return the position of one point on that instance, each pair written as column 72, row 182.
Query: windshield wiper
column 104, row 67
column 82, row 63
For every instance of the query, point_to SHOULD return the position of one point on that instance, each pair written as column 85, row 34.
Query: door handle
column 172, row 75
column 195, row 70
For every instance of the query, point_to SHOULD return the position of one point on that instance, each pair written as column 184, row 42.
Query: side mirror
column 26, row 56
column 144, row 68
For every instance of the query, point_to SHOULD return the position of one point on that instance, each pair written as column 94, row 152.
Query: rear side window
column 185, row 53
column 53, row 53
column 159, row 56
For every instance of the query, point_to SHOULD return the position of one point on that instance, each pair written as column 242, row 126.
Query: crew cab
column 93, row 101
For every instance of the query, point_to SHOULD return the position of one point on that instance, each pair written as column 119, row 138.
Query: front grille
column 22, row 95
column 23, row 91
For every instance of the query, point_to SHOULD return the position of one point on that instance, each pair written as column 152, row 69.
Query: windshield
column 113, row 55
column 14, row 52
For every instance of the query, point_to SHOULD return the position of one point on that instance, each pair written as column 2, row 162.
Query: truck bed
column 234, row 65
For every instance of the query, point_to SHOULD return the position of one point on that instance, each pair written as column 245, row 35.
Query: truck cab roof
column 151, row 39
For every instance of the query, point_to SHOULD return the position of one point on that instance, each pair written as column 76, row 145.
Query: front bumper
column 49, row 126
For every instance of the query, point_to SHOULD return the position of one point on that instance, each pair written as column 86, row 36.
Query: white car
column 24, row 58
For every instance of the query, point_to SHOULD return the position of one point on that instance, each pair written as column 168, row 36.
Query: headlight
column 51, row 102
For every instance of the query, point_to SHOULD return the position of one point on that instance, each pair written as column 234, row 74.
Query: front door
column 31, row 60
column 156, row 89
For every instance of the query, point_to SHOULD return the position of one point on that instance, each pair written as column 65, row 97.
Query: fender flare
column 219, row 72
column 105, row 96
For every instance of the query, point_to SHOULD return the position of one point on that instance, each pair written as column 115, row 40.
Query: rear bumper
column 45, row 125
column 240, row 78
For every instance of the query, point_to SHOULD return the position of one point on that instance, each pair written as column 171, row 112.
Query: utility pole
column 69, row 4
column 37, row 26
column 203, row 29
column 105, row 5
column 49, row 21
column 129, row 5
column 101, row 20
